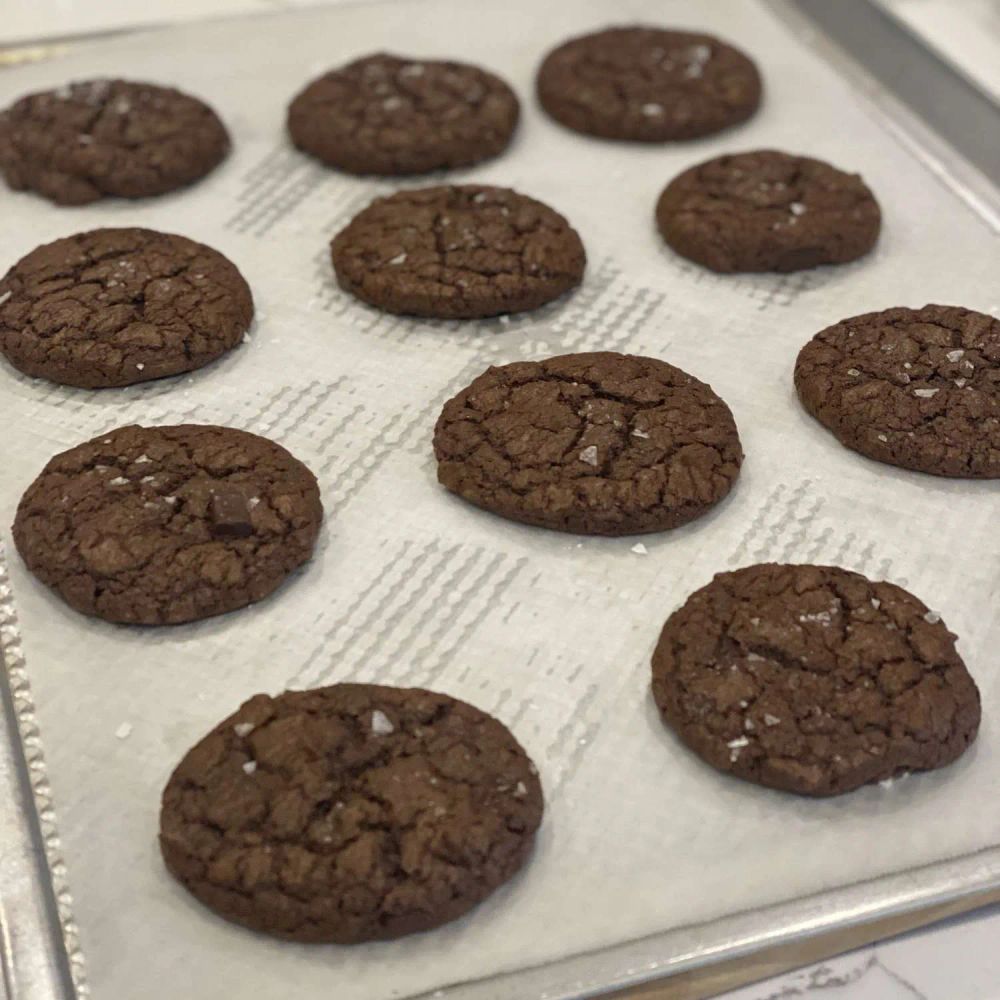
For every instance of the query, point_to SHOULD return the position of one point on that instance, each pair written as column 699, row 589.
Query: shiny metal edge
column 40, row 954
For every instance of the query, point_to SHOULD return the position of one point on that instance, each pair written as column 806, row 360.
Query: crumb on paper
column 639, row 549
column 243, row 729
column 381, row 725
column 124, row 731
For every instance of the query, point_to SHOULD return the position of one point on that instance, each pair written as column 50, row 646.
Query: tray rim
column 42, row 959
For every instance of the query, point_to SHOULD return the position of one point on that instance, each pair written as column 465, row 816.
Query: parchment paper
column 550, row 632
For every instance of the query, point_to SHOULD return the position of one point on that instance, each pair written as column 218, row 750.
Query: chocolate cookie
column 599, row 444
column 162, row 525
column 918, row 388
column 350, row 813
column 813, row 679
column 102, row 138
column 387, row 115
column 768, row 211
column 458, row 252
column 648, row 84
column 116, row 306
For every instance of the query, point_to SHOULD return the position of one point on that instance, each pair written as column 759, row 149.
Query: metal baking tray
column 40, row 944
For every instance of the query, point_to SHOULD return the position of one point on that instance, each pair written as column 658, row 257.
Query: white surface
column 432, row 592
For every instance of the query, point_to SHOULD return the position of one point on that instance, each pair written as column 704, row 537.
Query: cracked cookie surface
column 108, row 138
column 112, row 307
column 917, row 388
column 163, row 525
column 768, row 211
column 388, row 115
column 648, row 84
column 350, row 813
column 813, row 679
column 597, row 444
column 458, row 252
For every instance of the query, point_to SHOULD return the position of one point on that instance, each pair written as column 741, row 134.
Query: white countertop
column 956, row 960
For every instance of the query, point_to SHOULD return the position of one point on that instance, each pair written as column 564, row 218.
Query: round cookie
column 813, row 679
column 350, row 813
column 388, row 115
column 768, row 211
column 648, row 84
column 458, row 252
column 112, row 307
column 108, row 138
column 917, row 388
column 162, row 525
column 598, row 444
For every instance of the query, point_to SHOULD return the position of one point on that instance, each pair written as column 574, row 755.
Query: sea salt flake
column 170, row 500
column 693, row 70
column 520, row 790
column 771, row 720
column 955, row 355
column 413, row 69
column 797, row 208
column 932, row 618
column 755, row 622
column 883, row 437
column 124, row 731
column 143, row 459
column 140, row 366
column 589, row 455
column 906, row 364
column 925, row 393
column 701, row 53
column 243, row 729
column 5, row 297
column 400, row 258
column 639, row 549
column 968, row 365
column 639, row 434
column 249, row 766
column 652, row 110
column 252, row 502
column 148, row 479
column 876, row 603
column 853, row 372
column 391, row 103
column 738, row 743
column 816, row 616
column 381, row 726
column 479, row 198
column 118, row 481
column 961, row 382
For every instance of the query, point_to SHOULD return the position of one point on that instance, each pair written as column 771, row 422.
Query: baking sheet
column 550, row 632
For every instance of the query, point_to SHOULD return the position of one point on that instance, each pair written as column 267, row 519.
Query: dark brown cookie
column 162, row 525
column 112, row 307
column 387, row 115
column 918, row 388
column 598, row 444
column 768, row 211
column 458, row 252
column 350, row 813
column 648, row 84
column 813, row 679
column 104, row 138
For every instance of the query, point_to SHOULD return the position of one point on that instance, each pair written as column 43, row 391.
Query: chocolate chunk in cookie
column 648, row 84
column 458, row 252
column 350, row 813
column 112, row 307
column 598, row 444
column 108, row 138
column 162, row 525
column 917, row 388
column 768, row 211
column 387, row 115
column 813, row 679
